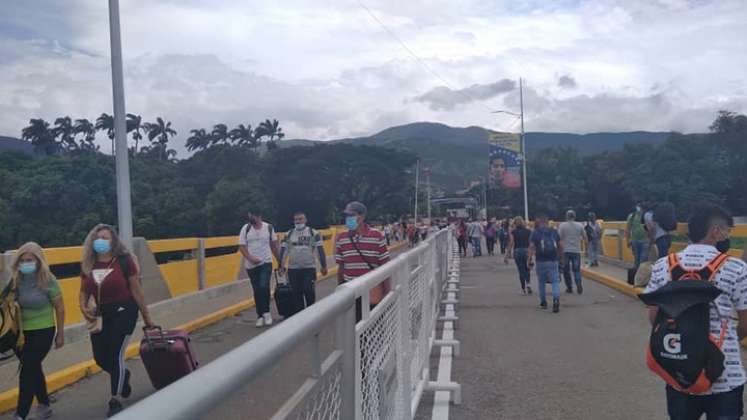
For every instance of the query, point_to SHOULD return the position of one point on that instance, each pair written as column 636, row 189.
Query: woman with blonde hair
column 518, row 249
column 40, row 299
column 110, row 298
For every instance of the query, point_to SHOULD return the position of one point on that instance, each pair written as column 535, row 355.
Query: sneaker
column 114, row 407
column 126, row 388
column 268, row 319
column 580, row 289
column 17, row 417
column 260, row 322
column 529, row 290
column 42, row 411
column 523, row 291
column 556, row 305
column 569, row 290
column 543, row 304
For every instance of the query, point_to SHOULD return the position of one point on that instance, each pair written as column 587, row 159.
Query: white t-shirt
column 257, row 242
column 648, row 217
column 732, row 280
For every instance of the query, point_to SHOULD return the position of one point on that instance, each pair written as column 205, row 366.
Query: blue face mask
column 27, row 267
column 351, row 222
column 102, row 246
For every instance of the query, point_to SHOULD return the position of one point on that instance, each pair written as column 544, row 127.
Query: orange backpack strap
column 716, row 265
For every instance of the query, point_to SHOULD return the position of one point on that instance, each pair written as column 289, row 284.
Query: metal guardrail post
column 403, row 277
column 346, row 343
column 201, row 274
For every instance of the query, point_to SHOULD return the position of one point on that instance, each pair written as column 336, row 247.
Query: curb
column 72, row 374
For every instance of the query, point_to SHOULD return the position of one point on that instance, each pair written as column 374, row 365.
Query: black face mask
column 723, row 246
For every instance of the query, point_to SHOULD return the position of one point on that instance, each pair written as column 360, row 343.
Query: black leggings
column 32, row 382
column 110, row 344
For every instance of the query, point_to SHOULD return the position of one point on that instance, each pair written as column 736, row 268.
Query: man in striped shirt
column 361, row 249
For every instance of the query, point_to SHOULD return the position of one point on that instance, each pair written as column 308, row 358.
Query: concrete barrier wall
column 191, row 272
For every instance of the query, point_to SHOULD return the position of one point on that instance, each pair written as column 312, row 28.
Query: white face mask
column 300, row 226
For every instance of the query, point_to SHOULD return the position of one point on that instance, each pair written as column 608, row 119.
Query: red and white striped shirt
column 373, row 253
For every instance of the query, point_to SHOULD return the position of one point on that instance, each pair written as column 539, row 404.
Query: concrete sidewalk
column 521, row 362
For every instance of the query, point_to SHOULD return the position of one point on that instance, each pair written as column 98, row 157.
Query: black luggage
column 284, row 299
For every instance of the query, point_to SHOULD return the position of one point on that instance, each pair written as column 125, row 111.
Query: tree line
column 686, row 169
column 55, row 199
column 67, row 135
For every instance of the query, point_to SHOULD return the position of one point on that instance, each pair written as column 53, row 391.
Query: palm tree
column 160, row 131
column 106, row 122
column 242, row 134
column 219, row 134
column 88, row 130
column 199, row 140
column 135, row 125
column 271, row 129
column 66, row 132
column 39, row 134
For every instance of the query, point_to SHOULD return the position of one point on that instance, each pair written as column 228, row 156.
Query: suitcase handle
column 149, row 339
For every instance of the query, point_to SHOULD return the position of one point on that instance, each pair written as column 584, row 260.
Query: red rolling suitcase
column 167, row 355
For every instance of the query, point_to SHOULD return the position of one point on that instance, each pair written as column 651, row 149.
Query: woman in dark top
column 518, row 248
column 110, row 298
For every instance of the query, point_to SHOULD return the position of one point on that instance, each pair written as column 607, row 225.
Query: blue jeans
column 520, row 257
column 593, row 252
column 722, row 406
column 260, row 278
column 640, row 252
column 476, row 247
column 572, row 262
column 662, row 245
column 548, row 271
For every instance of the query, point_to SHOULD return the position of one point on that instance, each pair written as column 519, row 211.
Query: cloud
column 567, row 82
column 443, row 98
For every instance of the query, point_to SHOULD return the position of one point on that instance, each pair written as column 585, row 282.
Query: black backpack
column 665, row 216
column 11, row 330
column 681, row 349
column 548, row 246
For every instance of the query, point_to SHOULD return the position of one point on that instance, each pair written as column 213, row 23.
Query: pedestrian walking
column 490, row 236
column 660, row 221
column 518, row 249
column 359, row 250
column 300, row 245
column 572, row 238
column 503, row 233
column 593, row 239
column 110, row 299
column 461, row 234
column 636, row 237
column 258, row 243
column 545, row 250
column 475, row 233
column 708, row 343
column 38, row 294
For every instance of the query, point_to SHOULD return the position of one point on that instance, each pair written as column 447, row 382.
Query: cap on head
column 355, row 208
column 570, row 215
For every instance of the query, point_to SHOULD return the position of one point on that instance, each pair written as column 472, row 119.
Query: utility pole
column 428, row 183
column 124, row 203
column 417, row 182
column 523, row 151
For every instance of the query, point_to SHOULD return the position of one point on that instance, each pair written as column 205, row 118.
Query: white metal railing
column 378, row 368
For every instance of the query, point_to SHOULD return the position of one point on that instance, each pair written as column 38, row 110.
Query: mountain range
column 456, row 155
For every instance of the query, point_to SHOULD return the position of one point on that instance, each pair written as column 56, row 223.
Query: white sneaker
column 260, row 322
column 42, row 412
column 267, row 318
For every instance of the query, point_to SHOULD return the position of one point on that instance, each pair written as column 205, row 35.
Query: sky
column 338, row 68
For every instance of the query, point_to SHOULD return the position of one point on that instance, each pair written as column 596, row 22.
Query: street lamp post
column 523, row 145
column 124, row 204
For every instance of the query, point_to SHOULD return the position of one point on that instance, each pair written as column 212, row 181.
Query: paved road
column 519, row 361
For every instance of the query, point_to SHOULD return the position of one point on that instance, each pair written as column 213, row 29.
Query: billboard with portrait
column 505, row 160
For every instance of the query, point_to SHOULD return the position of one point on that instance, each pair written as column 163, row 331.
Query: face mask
column 638, row 209
column 102, row 246
column 351, row 222
column 300, row 226
column 723, row 246
column 27, row 267
column 252, row 220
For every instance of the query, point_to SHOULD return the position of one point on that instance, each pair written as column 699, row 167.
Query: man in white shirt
column 258, row 243
column 709, row 228
column 572, row 237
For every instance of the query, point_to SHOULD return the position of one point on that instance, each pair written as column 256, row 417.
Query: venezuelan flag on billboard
column 505, row 160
